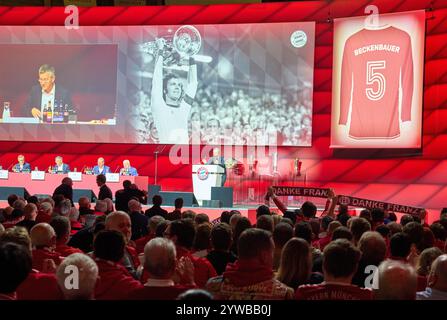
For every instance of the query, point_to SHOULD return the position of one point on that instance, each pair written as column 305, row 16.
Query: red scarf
column 247, row 272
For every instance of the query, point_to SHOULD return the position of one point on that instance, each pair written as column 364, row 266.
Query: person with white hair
column 77, row 276
column 65, row 208
column 397, row 280
column 45, row 213
column 138, row 219
column 120, row 221
column 127, row 169
column 43, row 239
column 437, row 281
column 160, row 263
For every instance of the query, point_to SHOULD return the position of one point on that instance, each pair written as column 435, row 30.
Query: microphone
column 82, row 170
column 10, row 166
column 117, row 167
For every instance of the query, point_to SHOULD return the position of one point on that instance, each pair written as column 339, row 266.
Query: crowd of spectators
column 155, row 254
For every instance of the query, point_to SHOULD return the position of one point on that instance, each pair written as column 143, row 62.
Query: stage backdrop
column 413, row 178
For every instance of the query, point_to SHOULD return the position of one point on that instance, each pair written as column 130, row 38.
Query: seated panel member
column 22, row 166
column 45, row 92
column 101, row 168
column 60, row 166
column 127, row 170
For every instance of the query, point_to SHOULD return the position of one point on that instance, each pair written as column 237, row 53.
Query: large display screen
column 235, row 84
column 378, row 81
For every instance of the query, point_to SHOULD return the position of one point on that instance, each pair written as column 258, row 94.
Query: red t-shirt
column 43, row 217
column 39, row 286
column 203, row 269
column 332, row 291
column 115, row 282
column 375, row 63
column 65, row 251
column 140, row 243
column 40, row 255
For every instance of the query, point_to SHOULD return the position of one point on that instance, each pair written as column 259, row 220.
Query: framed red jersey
column 378, row 81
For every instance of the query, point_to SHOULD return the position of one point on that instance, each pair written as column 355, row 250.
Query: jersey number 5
column 375, row 80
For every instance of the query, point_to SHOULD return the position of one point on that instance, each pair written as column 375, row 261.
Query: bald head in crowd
column 438, row 275
column 120, row 221
column 43, row 235
column 160, row 258
column 84, row 202
column 397, row 281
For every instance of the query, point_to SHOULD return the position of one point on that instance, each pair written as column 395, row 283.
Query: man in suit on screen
column 21, row 166
column 46, row 94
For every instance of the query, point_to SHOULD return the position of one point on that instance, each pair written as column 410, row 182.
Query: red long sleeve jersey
column 376, row 65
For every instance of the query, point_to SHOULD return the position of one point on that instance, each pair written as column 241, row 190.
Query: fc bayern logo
column 202, row 173
column 298, row 39
column 344, row 201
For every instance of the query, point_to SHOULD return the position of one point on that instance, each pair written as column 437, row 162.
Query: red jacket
column 40, row 255
column 203, row 269
column 39, row 286
column 65, row 251
column 115, row 282
column 43, row 217
column 140, row 243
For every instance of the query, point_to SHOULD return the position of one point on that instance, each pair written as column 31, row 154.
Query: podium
column 204, row 177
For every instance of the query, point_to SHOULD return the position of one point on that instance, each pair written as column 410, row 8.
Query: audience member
column 151, row 233
column 295, row 266
column 114, row 281
column 138, row 219
column 202, row 240
column 15, row 265
column 43, row 239
column 201, row 218
column 437, row 281
column 163, row 268
column 265, row 222
column 251, row 276
column 61, row 226
column 373, row 248
column 87, row 273
column 177, row 213
column 182, row 233
column 220, row 255
column 340, row 262
column 120, row 221
column 358, row 227
column 282, row 233
column 195, row 294
column 156, row 209
column 392, row 272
